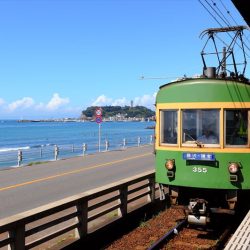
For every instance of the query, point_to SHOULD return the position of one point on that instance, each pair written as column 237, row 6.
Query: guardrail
column 54, row 152
column 81, row 213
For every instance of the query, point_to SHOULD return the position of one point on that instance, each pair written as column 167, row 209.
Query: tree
column 110, row 111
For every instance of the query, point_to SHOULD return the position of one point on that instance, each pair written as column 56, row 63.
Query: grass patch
column 113, row 214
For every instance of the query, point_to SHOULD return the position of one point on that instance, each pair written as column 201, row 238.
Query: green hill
column 127, row 111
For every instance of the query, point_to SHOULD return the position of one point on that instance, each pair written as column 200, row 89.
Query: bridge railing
column 79, row 214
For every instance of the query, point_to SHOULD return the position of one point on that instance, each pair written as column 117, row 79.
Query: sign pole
column 98, row 119
column 99, row 141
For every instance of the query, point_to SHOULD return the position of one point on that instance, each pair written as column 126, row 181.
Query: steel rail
column 168, row 235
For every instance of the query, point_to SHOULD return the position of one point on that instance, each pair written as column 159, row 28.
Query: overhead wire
column 223, row 18
column 210, row 13
column 217, row 14
column 229, row 13
column 244, row 44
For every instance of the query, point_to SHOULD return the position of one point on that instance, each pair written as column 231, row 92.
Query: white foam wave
column 13, row 149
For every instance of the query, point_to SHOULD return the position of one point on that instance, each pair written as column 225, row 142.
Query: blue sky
column 58, row 57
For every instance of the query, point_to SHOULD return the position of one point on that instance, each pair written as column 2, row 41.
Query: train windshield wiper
column 198, row 143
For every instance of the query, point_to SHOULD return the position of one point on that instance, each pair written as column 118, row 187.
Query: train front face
column 202, row 141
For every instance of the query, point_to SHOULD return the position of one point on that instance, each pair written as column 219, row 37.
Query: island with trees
column 119, row 113
column 109, row 113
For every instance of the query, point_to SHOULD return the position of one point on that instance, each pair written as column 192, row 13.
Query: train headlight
column 233, row 167
column 170, row 164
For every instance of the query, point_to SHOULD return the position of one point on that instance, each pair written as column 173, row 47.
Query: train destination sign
column 199, row 156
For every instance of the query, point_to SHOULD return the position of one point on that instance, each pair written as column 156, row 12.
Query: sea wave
column 13, row 149
column 2, row 150
column 43, row 145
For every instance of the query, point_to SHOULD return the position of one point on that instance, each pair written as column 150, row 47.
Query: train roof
column 192, row 90
column 205, row 79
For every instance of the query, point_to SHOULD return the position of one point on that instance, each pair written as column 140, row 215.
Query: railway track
column 169, row 230
column 166, row 237
column 192, row 238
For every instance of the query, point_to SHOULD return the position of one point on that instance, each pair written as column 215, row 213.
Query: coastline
column 81, row 120
column 37, row 141
column 52, row 120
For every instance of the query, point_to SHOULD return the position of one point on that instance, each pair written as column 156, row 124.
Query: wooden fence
column 80, row 213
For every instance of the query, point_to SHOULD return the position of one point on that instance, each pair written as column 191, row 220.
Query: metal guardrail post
column 106, row 145
column 151, row 139
column 19, row 157
column 124, row 142
column 139, row 141
column 84, row 149
column 56, row 152
column 41, row 152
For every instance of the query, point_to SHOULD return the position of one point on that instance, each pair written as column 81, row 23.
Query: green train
column 202, row 140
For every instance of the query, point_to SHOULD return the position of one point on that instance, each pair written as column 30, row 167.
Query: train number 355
column 199, row 170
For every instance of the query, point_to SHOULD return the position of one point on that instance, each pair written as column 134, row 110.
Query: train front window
column 236, row 127
column 200, row 127
column 169, row 126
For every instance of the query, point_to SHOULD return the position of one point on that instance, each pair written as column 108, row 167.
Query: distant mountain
column 127, row 111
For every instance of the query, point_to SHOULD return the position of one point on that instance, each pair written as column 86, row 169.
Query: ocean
column 37, row 140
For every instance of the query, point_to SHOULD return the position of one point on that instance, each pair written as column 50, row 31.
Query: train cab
column 203, row 141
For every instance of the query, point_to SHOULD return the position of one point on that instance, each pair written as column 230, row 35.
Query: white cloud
column 145, row 100
column 102, row 100
column 58, row 107
column 120, row 102
column 56, row 102
column 26, row 107
column 24, row 103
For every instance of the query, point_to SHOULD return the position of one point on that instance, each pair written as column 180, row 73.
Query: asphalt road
column 29, row 187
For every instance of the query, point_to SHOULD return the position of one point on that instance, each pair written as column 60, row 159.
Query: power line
column 229, row 13
column 210, row 13
column 223, row 18
column 159, row 78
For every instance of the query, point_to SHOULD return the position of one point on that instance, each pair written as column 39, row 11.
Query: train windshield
column 169, row 126
column 236, row 127
column 200, row 126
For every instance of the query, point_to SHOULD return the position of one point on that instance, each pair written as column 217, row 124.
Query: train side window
column 200, row 127
column 236, row 127
column 169, row 127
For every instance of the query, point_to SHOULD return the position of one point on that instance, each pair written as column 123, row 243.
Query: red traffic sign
column 98, row 119
column 98, row 112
